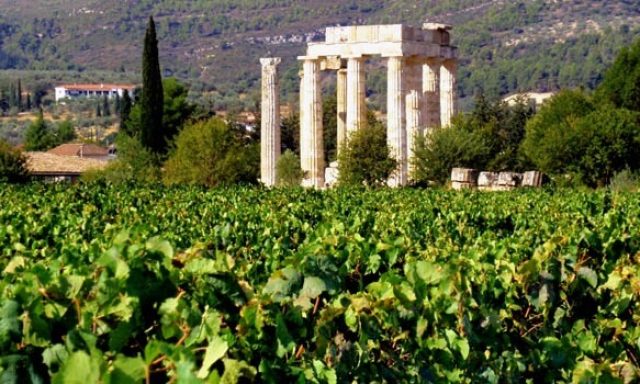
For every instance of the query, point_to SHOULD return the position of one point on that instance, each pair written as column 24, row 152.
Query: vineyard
column 141, row 284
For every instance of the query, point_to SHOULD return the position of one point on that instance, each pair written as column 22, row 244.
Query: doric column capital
column 270, row 61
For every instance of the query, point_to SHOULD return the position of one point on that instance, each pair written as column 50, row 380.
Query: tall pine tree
column 151, row 102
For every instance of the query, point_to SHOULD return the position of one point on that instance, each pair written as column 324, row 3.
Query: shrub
column 12, row 164
column 134, row 163
column 443, row 149
column 288, row 172
column 210, row 153
column 625, row 181
column 366, row 158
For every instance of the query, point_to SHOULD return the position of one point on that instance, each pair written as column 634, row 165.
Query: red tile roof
column 79, row 150
column 43, row 163
column 96, row 87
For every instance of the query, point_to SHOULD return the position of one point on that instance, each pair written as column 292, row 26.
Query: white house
column 91, row 90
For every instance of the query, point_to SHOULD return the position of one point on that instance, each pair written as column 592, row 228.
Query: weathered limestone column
column 396, row 130
column 311, row 143
column 270, row 121
column 414, row 113
column 447, row 91
column 342, row 107
column 356, row 93
column 431, row 94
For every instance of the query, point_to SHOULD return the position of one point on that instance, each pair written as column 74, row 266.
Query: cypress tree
column 12, row 96
column 151, row 102
column 19, row 96
column 125, row 111
column 106, row 108
column 28, row 101
column 116, row 104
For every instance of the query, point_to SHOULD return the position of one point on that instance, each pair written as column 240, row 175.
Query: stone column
column 447, row 91
column 431, row 94
column 342, row 107
column 270, row 121
column 396, row 130
column 414, row 113
column 356, row 106
column 311, row 143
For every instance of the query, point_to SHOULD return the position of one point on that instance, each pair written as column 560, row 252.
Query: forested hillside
column 505, row 46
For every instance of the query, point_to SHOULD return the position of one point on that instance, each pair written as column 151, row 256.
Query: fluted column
column 414, row 113
column 356, row 106
column 447, row 92
column 342, row 107
column 396, row 131
column 311, row 143
column 270, row 121
column 431, row 94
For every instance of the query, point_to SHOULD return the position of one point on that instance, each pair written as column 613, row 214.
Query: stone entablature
column 385, row 40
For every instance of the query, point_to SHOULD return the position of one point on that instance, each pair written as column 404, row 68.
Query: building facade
column 72, row 91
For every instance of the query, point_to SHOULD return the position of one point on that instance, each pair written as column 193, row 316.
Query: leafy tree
column 621, row 84
column 151, row 103
column 366, row 158
column 288, row 172
column 177, row 109
column 125, row 112
column 38, row 136
column 210, row 153
column 330, row 127
column 443, row 149
column 290, row 133
column 548, row 141
column 135, row 163
column 13, row 167
column 65, row 132
column 608, row 141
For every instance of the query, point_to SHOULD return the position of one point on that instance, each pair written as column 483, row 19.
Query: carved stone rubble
column 421, row 89
column 463, row 178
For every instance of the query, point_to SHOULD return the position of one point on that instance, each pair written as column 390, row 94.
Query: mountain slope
column 505, row 46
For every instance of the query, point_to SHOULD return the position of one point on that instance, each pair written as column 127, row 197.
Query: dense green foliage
column 134, row 163
column 366, row 159
column 441, row 150
column 288, row 172
column 113, row 284
column 583, row 137
column 42, row 135
column 151, row 133
column 39, row 136
column 488, row 138
column 12, row 164
column 621, row 85
column 211, row 153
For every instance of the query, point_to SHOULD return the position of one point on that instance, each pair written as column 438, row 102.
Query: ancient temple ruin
column 421, row 96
